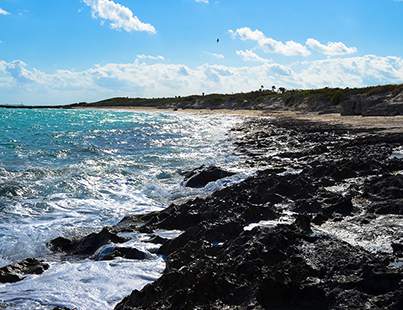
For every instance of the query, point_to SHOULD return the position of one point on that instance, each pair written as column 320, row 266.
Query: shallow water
column 70, row 172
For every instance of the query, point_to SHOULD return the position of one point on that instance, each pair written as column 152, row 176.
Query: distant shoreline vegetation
column 385, row 100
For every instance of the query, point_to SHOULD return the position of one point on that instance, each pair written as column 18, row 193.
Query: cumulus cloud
column 331, row 48
column 19, row 83
column 291, row 48
column 249, row 55
column 4, row 12
column 118, row 16
column 202, row 1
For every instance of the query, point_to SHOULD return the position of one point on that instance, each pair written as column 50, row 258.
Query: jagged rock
column 385, row 187
column 393, row 206
column 303, row 223
column 398, row 249
column 201, row 176
column 217, row 264
column 17, row 272
column 158, row 240
column 61, row 244
column 87, row 245
column 110, row 252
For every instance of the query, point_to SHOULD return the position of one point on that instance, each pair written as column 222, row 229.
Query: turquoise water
column 70, row 172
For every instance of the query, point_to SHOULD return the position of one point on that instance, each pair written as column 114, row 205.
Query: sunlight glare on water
column 71, row 172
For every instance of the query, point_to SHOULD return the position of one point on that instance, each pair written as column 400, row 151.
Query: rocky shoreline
column 320, row 226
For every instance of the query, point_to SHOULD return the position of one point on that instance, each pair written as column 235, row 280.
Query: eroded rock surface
column 319, row 226
column 87, row 245
column 17, row 272
column 282, row 239
column 202, row 176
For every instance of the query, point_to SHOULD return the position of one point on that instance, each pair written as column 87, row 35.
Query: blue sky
column 65, row 51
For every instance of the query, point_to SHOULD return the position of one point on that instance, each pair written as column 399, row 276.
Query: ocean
column 71, row 172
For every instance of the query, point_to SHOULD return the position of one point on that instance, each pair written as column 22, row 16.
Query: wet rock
column 216, row 264
column 378, row 281
column 17, row 272
column 325, row 205
column 110, row 252
column 303, row 223
column 87, row 245
column 11, row 189
column 279, row 295
column 269, row 268
column 398, row 249
column 132, row 223
column 200, row 177
column 385, row 187
column 393, row 206
column 61, row 244
column 158, row 240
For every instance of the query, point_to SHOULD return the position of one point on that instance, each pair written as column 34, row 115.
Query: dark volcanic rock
column 111, row 252
column 393, row 206
column 386, row 194
column 87, row 245
column 270, row 268
column 385, row 187
column 200, row 177
column 17, row 272
column 398, row 249
column 158, row 240
column 217, row 264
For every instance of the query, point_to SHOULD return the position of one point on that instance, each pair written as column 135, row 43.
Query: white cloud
column 249, row 55
column 119, row 16
column 4, row 12
column 202, row 1
column 289, row 48
column 150, row 57
column 216, row 55
column 19, row 83
column 292, row 48
column 331, row 48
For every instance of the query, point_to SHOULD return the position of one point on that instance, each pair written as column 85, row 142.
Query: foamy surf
column 69, row 173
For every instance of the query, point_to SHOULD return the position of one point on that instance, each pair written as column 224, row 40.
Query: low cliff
column 380, row 100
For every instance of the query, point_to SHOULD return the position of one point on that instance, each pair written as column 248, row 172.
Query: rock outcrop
column 202, row 176
column 318, row 227
column 17, row 272
column 268, row 242
column 87, row 245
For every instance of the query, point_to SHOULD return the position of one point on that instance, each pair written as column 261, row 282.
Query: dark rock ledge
column 202, row 176
column 316, row 177
column 17, row 272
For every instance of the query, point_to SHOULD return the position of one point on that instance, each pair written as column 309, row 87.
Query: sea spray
column 71, row 172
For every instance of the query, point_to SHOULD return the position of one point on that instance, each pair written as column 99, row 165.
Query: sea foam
column 69, row 173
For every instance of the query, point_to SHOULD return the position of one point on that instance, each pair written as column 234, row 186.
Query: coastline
column 245, row 112
column 317, row 227
column 296, row 217
column 388, row 124
column 287, row 237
